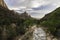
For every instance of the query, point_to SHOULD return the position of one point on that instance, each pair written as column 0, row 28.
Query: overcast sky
column 36, row 8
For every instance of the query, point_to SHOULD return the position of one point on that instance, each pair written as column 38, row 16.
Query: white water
column 39, row 34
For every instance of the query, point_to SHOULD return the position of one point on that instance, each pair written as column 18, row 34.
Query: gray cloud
column 36, row 8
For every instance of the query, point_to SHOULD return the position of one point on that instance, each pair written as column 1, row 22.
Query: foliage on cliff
column 13, row 24
column 52, row 22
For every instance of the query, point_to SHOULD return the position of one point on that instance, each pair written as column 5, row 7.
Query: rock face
column 2, row 3
column 25, row 15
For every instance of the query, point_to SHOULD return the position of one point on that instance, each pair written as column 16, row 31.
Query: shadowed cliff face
column 2, row 3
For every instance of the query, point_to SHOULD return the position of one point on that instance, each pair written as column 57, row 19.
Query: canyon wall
column 2, row 3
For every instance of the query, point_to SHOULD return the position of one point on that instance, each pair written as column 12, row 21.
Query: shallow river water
column 39, row 34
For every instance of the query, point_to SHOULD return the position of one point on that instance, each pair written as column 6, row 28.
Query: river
column 39, row 34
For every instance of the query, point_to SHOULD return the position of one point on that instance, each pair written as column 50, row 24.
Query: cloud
column 36, row 8
column 40, row 11
column 28, row 3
